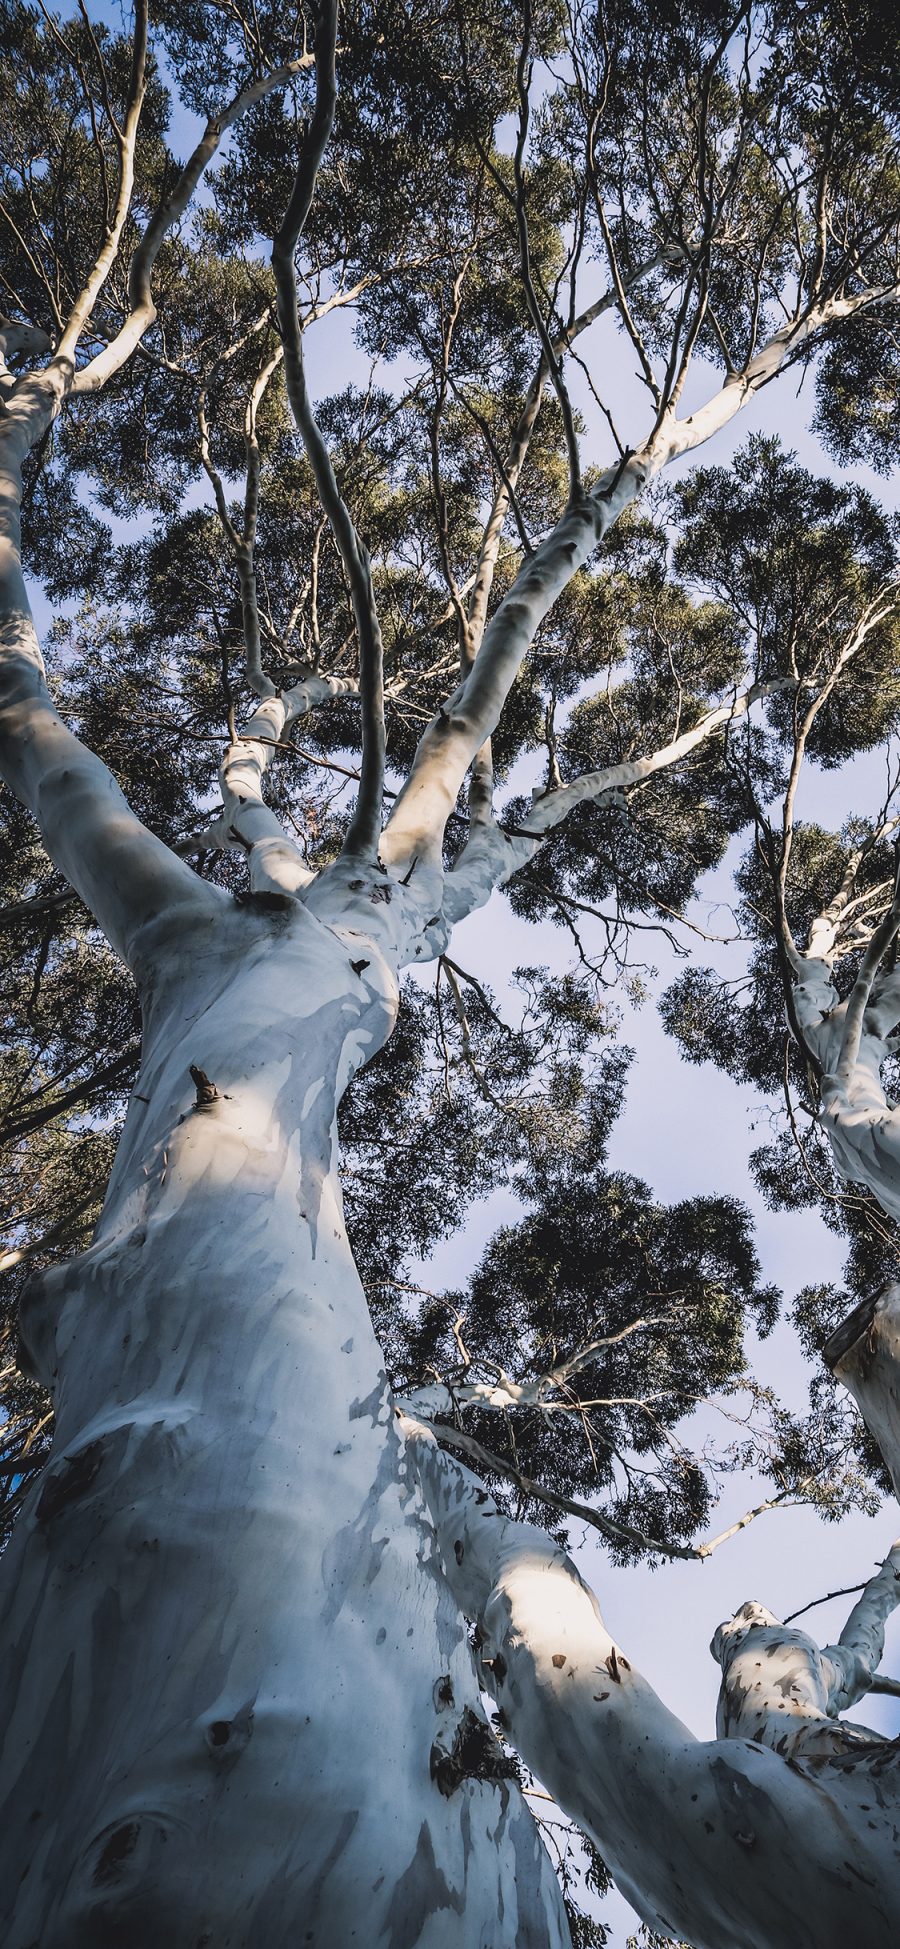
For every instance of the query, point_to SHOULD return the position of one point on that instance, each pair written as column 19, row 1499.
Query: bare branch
column 491, row 858
column 365, row 824
column 142, row 311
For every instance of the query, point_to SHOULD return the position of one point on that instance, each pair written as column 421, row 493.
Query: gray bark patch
column 352, row 1559
column 421, row 1890
column 369, row 1408
column 332, row 1858
column 332, row 1029
column 747, row 1809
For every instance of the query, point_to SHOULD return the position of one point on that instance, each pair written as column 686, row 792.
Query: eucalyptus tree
column 243, row 1704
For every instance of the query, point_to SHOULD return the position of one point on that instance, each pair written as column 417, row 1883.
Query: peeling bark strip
column 66, row 1483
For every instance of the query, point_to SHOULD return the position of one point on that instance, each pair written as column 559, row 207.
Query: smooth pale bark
column 862, row 1127
column 724, row 1842
column 238, row 1696
column 238, row 1699
column 126, row 876
column 864, row 1353
column 780, row 1689
column 246, row 824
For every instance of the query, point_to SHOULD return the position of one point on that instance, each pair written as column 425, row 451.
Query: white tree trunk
column 864, row 1353
column 240, row 1706
column 725, row 1842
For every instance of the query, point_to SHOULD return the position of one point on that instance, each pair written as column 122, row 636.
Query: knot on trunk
column 206, row 1091
column 227, row 1739
column 130, row 1883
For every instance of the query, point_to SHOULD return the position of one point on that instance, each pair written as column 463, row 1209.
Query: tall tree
column 237, row 1593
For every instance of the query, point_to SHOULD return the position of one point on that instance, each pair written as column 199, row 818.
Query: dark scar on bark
column 121, row 1843
column 69, row 1481
column 227, row 1738
column 475, row 1755
column 262, row 901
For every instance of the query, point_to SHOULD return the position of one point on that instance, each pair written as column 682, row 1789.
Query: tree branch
column 365, row 824
column 619, row 1763
column 491, row 858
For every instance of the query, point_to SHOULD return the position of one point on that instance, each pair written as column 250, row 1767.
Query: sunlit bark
column 225, row 1566
column 727, row 1843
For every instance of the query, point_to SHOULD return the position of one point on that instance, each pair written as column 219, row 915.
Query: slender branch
column 142, row 310
column 126, row 138
column 582, row 1511
column 504, row 1392
column 365, row 824
column 846, row 1590
column 20, row 1254
column 33, row 909
column 492, row 857
column 551, row 357
column 119, row 1069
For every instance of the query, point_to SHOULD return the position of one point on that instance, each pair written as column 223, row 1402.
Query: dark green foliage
column 592, row 1257
column 795, row 561
column 68, row 1055
column 597, row 1258
column 799, row 561
column 585, row 1878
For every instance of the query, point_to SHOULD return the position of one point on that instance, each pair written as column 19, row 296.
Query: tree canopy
column 496, row 189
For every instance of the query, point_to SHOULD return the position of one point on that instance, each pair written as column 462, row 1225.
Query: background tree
column 379, row 619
